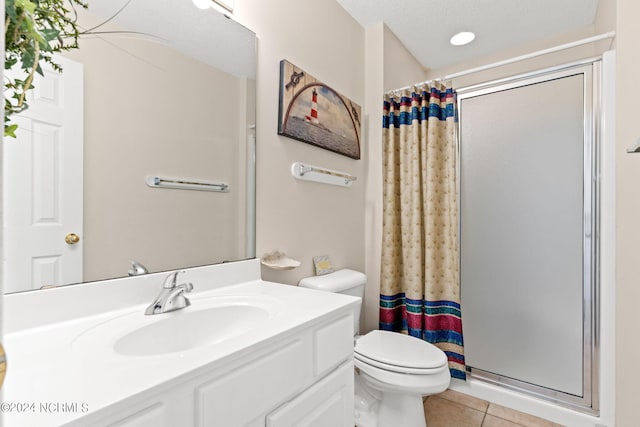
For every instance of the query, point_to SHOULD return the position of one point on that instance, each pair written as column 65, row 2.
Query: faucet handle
column 172, row 279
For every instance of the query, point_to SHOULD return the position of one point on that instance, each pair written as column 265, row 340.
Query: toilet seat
column 399, row 353
column 388, row 381
column 398, row 369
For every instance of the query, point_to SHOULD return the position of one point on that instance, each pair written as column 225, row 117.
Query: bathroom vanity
column 245, row 352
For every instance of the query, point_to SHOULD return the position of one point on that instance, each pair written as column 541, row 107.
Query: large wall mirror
column 164, row 89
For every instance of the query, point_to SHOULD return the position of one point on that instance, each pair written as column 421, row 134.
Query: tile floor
column 453, row 409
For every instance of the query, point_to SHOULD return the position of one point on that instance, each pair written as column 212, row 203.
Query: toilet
column 393, row 371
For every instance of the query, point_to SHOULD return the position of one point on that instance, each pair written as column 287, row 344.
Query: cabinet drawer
column 237, row 398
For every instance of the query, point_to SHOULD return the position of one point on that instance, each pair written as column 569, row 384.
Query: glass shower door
column 526, row 233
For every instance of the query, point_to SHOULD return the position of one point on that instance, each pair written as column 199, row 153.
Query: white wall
column 300, row 218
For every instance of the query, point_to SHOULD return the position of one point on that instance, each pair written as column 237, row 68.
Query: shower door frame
column 591, row 70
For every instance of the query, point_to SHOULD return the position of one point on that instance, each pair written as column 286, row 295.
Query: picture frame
column 313, row 112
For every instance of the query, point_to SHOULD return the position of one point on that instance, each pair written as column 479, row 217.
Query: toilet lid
column 397, row 349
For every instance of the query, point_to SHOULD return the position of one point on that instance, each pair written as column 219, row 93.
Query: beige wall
column 621, row 16
column 628, row 213
column 151, row 110
column 374, row 86
column 604, row 23
column 399, row 70
column 389, row 66
column 300, row 218
column 303, row 221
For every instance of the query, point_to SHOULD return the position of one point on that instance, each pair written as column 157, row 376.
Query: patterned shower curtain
column 419, row 289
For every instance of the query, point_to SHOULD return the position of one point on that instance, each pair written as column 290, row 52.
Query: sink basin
column 208, row 321
column 188, row 330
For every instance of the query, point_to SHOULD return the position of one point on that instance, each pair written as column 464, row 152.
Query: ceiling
column 425, row 26
column 206, row 35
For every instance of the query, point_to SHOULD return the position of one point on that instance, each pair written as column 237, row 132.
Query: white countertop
column 58, row 364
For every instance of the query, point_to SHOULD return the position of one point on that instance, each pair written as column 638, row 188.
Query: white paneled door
column 43, row 184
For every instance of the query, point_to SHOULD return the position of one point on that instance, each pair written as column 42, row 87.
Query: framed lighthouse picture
column 312, row 112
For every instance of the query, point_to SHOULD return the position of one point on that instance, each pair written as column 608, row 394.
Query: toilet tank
column 345, row 281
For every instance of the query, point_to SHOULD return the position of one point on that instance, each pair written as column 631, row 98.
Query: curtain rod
column 603, row 36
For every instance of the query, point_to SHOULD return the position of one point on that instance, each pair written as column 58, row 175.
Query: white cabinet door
column 329, row 402
column 246, row 394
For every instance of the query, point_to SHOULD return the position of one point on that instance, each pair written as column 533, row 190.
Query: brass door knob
column 72, row 238
column 3, row 365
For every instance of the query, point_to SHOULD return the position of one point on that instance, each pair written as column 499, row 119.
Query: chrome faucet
column 137, row 269
column 172, row 295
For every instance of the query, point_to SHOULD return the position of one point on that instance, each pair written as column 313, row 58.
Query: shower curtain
column 419, row 288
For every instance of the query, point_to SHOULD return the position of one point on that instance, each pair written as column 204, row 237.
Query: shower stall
column 529, row 229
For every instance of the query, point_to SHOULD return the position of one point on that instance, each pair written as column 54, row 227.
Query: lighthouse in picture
column 313, row 117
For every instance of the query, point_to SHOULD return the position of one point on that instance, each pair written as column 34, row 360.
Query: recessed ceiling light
column 202, row 4
column 462, row 38
column 222, row 6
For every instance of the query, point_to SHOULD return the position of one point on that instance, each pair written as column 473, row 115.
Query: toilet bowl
column 393, row 371
column 397, row 371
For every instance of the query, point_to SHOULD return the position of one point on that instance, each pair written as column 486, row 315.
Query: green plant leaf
column 10, row 130
column 28, row 57
column 34, row 30
column 28, row 5
column 50, row 34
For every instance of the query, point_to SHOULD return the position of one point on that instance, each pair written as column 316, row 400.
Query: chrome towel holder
column 186, row 184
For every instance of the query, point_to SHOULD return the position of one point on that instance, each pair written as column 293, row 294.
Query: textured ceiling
column 425, row 26
column 206, row 35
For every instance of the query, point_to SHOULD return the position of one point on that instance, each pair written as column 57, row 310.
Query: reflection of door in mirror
column 42, row 178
